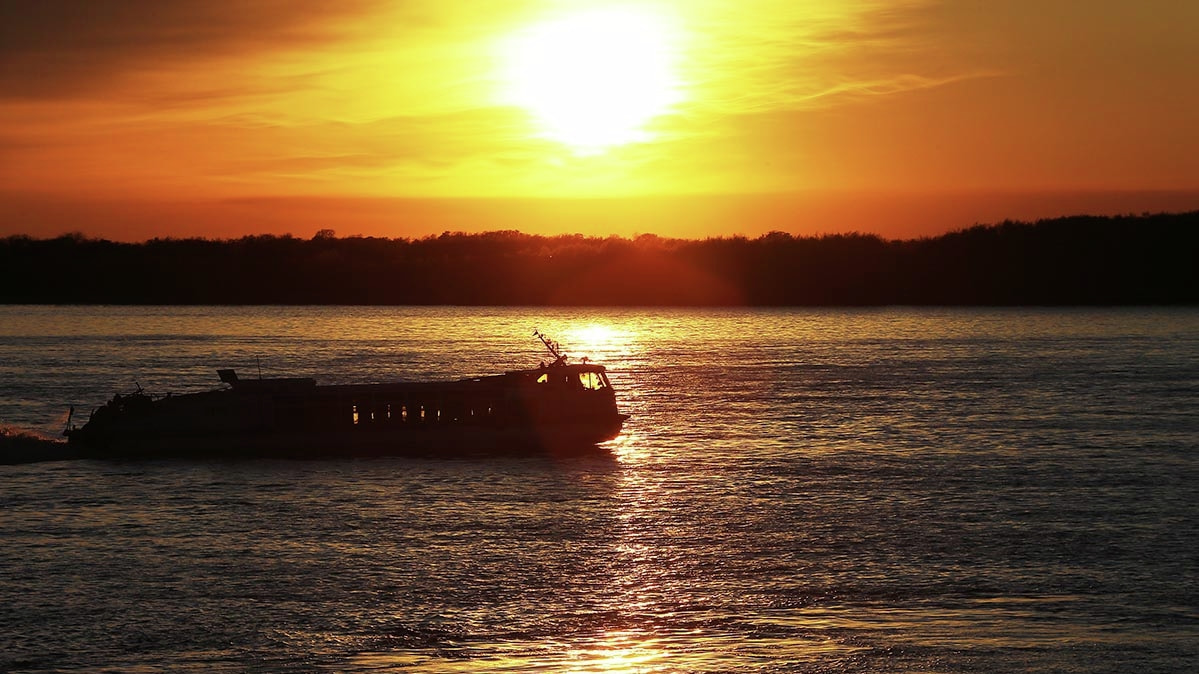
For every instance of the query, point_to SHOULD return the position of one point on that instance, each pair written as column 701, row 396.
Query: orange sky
column 139, row 118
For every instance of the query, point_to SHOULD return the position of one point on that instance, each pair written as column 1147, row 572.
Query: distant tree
column 1146, row 259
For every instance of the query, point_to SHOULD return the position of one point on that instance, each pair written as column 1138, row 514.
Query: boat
column 554, row 407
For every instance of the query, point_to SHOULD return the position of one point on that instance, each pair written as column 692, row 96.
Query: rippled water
column 892, row 490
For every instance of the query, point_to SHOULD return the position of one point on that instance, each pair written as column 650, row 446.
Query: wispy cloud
column 397, row 97
column 768, row 56
column 71, row 47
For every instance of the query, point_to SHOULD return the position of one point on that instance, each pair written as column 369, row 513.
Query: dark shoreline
column 1073, row 261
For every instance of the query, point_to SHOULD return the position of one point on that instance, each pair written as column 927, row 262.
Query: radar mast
column 555, row 350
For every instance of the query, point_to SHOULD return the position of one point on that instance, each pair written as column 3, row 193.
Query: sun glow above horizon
column 593, row 80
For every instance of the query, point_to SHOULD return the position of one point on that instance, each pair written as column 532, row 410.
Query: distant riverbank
column 1083, row 260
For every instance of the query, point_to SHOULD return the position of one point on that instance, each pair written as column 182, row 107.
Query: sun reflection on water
column 601, row 342
column 616, row 652
column 629, row 448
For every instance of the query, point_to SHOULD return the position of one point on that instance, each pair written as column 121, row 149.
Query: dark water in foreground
column 834, row 491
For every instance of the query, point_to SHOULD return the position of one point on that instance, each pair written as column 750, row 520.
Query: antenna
column 555, row 350
column 259, row 362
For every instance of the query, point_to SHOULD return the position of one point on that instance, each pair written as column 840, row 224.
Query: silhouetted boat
column 555, row 407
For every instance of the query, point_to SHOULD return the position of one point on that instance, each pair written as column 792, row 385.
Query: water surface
column 902, row 490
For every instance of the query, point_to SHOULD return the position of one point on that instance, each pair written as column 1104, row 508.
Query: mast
column 555, row 350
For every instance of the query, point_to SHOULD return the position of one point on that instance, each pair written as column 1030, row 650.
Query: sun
column 592, row 80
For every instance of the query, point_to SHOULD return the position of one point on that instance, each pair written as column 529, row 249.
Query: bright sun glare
column 594, row 79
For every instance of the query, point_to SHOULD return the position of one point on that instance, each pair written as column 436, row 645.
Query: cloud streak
column 807, row 54
column 218, row 99
column 52, row 48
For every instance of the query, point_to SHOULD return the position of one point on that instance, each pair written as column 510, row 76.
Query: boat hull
column 566, row 408
column 449, row 442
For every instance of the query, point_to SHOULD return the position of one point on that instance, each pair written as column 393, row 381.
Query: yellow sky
column 145, row 110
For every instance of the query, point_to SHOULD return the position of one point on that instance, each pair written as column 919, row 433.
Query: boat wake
column 18, row 445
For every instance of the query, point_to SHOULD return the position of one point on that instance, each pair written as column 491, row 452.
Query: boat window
column 543, row 379
column 592, row 381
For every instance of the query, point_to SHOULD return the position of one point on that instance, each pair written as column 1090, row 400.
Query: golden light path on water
column 607, row 343
column 656, row 636
column 603, row 342
column 835, row 491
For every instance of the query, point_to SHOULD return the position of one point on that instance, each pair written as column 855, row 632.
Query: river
column 895, row 489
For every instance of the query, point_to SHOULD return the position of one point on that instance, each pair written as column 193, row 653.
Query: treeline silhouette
column 1084, row 260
